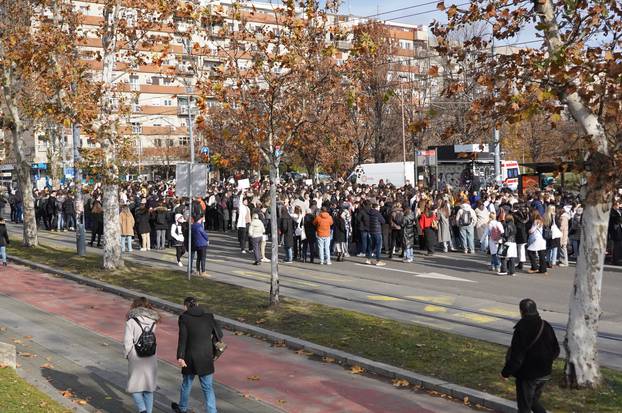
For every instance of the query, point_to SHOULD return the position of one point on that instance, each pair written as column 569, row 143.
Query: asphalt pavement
column 452, row 292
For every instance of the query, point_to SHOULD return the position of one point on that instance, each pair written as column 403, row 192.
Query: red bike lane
column 276, row 376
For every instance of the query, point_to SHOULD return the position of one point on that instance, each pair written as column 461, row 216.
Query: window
column 183, row 141
column 167, row 81
column 135, row 107
column 168, row 102
column 134, row 83
column 157, row 142
column 136, row 128
column 513, row 173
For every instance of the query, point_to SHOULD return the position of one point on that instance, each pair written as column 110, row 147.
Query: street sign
column 198, row 179
column 205, row 150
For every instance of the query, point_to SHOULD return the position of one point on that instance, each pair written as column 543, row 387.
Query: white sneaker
column 329, row 263
column 360, row 254
column 265, row 260
column 179, row 264
column 243, row 251
column 368, row 262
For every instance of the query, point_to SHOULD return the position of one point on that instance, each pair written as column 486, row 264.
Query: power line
column 402, row 9
column 423, row 12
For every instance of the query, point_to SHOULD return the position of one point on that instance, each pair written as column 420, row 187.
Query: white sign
column 243, row 184
column 198, row 179
column 308, row 182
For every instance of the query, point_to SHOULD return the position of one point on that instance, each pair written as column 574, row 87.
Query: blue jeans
column 323, row 244
column 60, row 221
column 144, row 401
column 3, row 253
column 289, row 253
column 408, row 253
column 208, row 392
column 377, row 241
column 551, row 256
column 495, row 262
column 365, row 246
column 126, row 240
column 467, row 237
column 575, row 247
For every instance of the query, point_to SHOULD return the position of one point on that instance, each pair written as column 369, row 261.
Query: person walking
column 126, row 221
column 179, row 240
column 340, row 233
column 322, row 224
column 530, row 357
column 142, row 371
column 195, row 354
column 256, row 230
column 200, row 241
column 4, row 241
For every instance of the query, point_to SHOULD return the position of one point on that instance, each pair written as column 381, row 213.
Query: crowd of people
column 533, row 232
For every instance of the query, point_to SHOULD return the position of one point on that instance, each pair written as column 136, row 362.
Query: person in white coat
column 536, row 246
column 142, row 371
column 177, row 234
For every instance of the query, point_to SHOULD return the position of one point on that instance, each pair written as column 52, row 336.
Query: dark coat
column 68, row 206
column 160, row 216
column 286, row 227
column 509, row 232
column 200, row 238
column 98, row 222
column 376, row 220
column 4, row 236
column 309, row 227
column 615, row 225
column 410, row 227
column 195, row 341
column 538, row 360
column 362, row 219
column 521, row 228
column 339, row 228
column 142, row 221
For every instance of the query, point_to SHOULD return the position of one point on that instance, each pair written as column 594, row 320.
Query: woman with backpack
column 140, row 350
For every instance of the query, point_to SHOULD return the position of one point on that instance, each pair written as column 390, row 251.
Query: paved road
column 452, row 292
column 69, row 338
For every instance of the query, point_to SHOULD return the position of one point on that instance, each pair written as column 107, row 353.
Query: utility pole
column 190, row 167
column 78, row 202
column 495, row 137
column 403, row 133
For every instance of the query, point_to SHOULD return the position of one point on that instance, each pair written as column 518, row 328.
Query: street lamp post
column 495, row 134
column 403, row 129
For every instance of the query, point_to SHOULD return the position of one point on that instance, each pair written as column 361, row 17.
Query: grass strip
column 18, row 396
column 460, row 360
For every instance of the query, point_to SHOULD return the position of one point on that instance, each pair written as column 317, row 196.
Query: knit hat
column 178, row 217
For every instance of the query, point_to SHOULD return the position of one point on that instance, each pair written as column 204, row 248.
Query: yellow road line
column 434, row 309
column 383, row 298
column 476, row 318
column 436, row 299
column 501, row 311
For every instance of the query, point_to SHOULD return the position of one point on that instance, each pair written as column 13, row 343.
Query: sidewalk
column 80, row 328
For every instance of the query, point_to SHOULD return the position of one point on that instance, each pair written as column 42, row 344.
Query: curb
column 489, row 401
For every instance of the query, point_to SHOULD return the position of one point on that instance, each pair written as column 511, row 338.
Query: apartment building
column 160, row 103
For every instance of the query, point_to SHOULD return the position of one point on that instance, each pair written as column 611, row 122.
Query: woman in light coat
column 255, row 232
column 481, row 225
column 444, row 227
column 536, row 246
column 142, row 371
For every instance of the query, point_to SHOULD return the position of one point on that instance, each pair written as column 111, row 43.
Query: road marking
column 431, row 275
column 215, row 260
column 436, row 299
column 251, row 274
column 383, row 298
column 501, row 311
column 434, row 309
column 476, row 318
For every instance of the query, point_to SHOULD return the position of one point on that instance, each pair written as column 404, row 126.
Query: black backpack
column 146, row 344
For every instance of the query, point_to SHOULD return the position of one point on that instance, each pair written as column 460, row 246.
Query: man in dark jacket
column 530, row 357
column 376, row 220
column 362, row 225
column 195, row 353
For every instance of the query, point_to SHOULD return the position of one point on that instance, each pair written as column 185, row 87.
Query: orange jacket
column 322, row 224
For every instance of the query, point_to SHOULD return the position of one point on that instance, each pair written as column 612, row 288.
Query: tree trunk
column 112, row 231
column 274, row 260
column 582, row 367
column 22, row 169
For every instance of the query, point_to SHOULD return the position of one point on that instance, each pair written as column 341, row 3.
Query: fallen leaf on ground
column 27, row 337
column 238, row 333
column 400, row 383
column 279, row 343
column 303, row 352
column 47, row 366
column 68, row 394
column 327, row 359
column 466, row 400
column 357, row 370
column 253, row 378
column 25, row 354
column 260, row 321
column 81, row 402
column 16, row 341
column 2, row 329
column 3, row 366
column 280, row 401
column 43, row 403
